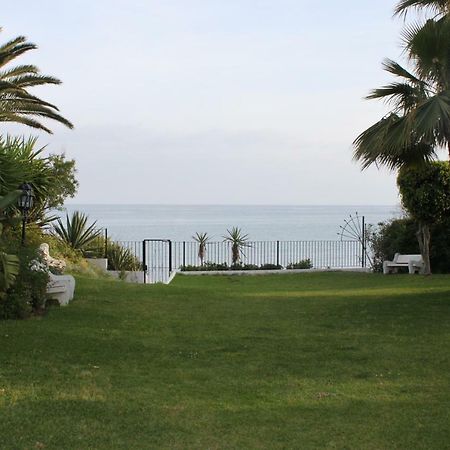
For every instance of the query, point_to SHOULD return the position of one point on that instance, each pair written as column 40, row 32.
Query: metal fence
column 159, row 257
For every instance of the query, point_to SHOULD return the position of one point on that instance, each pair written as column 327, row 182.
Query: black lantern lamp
column 25, row 203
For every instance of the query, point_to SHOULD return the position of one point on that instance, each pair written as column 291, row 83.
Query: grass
column 331, row 360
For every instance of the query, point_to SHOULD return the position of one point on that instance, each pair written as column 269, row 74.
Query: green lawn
column 331, row 360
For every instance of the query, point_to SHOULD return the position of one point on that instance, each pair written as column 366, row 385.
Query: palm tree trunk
column 424, row 238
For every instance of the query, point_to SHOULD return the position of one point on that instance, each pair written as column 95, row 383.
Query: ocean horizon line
column 238, row 204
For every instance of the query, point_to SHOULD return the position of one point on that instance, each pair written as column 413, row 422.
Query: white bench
column 61, row 288
column 414, row 263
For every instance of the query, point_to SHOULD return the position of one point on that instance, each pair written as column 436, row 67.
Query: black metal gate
column 157, row 260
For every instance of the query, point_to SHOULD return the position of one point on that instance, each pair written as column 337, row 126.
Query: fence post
column 106, row 242
column 144, row 260
column 278, row 253
column 184, row 253
column 170, row 256
column 363, row 242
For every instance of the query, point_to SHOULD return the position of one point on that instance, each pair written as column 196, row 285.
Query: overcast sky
column 213, row 101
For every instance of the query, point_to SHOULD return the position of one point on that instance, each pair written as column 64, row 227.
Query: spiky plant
column 17, row 104
column 201, row 239
column 238, row 242
column 121, row 258
column 75, row 232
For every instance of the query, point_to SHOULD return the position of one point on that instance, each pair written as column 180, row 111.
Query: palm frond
column 16, row 103
column 440, row 7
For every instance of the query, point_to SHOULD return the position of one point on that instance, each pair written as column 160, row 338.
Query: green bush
column 207, row 266
column 270, row 267
column 303, row 264
column 28, row 294
column 399, row 236
column 210, row 266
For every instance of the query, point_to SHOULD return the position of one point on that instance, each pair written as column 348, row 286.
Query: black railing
column 322, row 254
column 159, row 257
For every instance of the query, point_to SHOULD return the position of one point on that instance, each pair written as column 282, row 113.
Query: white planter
column 100, row 263
column 129, row 276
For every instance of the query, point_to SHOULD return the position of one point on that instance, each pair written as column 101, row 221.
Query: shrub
column 270, row 267
column 207, row 266
column 394, row 236
column 28, row 294
column 399, row 236
column 303, row 264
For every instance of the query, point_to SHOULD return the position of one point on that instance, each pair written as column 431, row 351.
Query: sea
column 259, row 222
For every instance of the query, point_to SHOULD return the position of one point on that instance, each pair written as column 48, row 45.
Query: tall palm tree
column 438, row 8
column 379, row 144
column 419, row 121
column 16, row 103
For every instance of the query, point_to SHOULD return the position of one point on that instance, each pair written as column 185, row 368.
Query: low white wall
column 101, row 263
column 271, row 272
column 130, row 276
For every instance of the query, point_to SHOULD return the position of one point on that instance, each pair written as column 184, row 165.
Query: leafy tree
column 52, row 178
column 425, row 194
column 399, row 235
column 238, row 242
column 64, row 183
column 201, row 239
column 17, row 104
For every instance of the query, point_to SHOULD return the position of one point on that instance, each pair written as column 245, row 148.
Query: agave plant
column 76, row 233
column 201, row 239
column 238, row 242
column 9, row 264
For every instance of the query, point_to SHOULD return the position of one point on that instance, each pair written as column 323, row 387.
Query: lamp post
column 25, row 203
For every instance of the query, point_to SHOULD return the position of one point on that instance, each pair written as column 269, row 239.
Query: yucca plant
column 121, row 258
column 238, row 242
column 201, row 239
column 76, row 233
column 9, row 264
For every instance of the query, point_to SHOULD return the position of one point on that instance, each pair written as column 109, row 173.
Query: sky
column 212, row 101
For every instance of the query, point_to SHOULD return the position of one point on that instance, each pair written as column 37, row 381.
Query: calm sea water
column 179, row 223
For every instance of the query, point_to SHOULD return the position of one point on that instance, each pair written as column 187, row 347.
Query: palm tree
column 16, row 103
column 201, row 239
column 438, row 7
column 238, row 242
column 384, row 142
column 419, row 121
